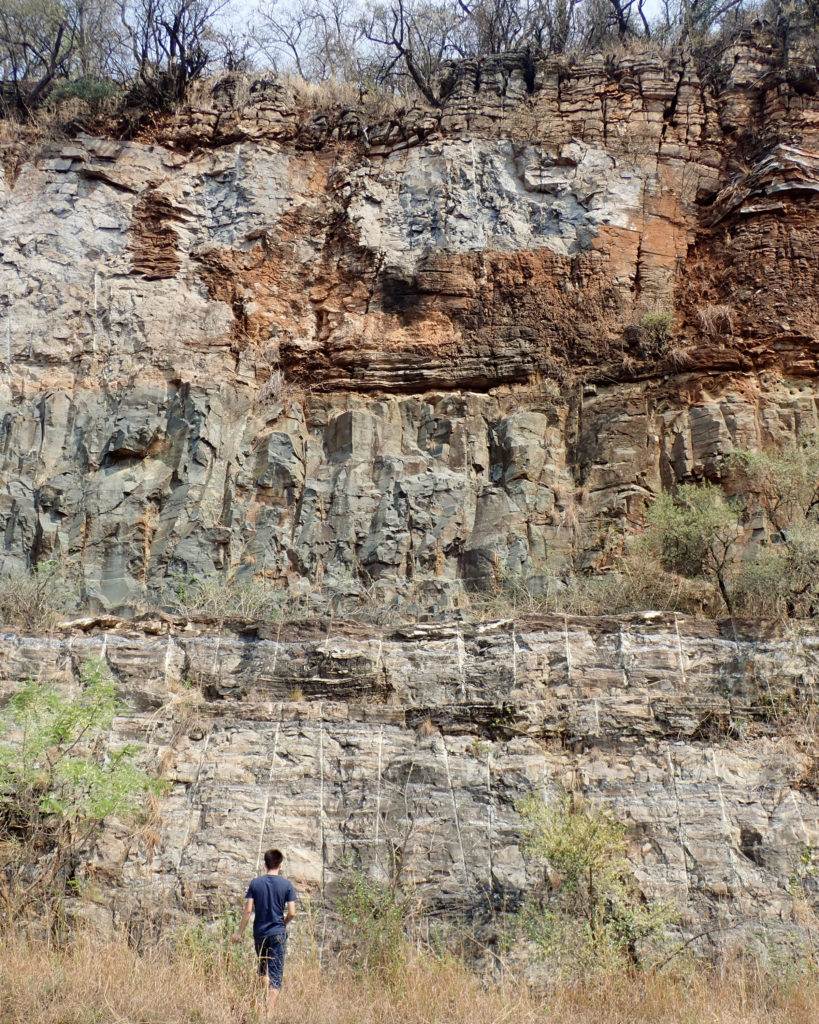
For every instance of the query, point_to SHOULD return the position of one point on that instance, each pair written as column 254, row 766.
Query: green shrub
column 93, row 91
column 595, row 917
column 207, row 944
column 658, row 325
column 784, row 481
column 694, row 531
column 782, row 486
column 373, row 917
column 759, row 588
column 59, row 781
column 802, row 883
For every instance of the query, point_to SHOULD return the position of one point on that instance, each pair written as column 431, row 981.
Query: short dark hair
column 273, row 859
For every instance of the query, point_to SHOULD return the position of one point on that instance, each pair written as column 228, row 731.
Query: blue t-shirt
column 269, row 893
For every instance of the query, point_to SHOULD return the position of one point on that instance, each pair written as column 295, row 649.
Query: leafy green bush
column 694, row 531
column 784, row 481
column 59, row 781
column 208, row 945
column 699, row 533
column 658, row 325
column 783, row 487
column 93, row 91
column 373, row 916
column 783, row 580
column 595, row 917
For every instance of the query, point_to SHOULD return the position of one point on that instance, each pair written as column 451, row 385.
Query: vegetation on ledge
column 108, row 55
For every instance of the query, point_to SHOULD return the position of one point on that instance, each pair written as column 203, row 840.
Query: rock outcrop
column 407, row 750
column 382, row 359
column 285, row 342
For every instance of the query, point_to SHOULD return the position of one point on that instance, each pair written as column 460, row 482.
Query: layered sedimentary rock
column 406, row 750
column 381, row 359
column 338, row 352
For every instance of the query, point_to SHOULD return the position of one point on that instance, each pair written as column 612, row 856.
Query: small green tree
column 59, row 781
column 374, row 915
column 782, row 485
column 694, row 531
column 595, row 915
column 784, row 481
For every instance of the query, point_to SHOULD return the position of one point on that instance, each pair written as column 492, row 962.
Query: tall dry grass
column 94, row 981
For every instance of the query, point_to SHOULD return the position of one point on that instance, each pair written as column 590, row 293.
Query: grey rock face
column 343, row 745
column 459, row 196
column 345, row 493
column 385, row 364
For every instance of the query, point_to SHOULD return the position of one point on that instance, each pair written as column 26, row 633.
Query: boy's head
column 273, row 859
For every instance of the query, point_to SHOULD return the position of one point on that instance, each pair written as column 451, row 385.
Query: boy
column 273, row 900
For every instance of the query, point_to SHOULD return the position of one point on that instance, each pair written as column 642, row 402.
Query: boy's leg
column 263, row 953
column 272, row 996
column 275, row 969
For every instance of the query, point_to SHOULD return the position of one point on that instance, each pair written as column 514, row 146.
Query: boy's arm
column 237, row 935
column 291, row 912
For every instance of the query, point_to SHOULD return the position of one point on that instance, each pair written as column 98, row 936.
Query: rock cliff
column 407, row 749
column 383, row 358
column 267, row 339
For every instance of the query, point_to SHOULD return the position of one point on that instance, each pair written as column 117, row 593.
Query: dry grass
column 39, row 599
column 278, row 394
column 717, row 321
column 371, row 102
column 680, row 356
column 628, row 588
column 95, row 981
column 741, row 994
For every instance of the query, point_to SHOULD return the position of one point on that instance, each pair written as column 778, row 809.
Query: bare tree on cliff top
column 501, row 25
column 319, row 39
column 36, row 44
column 415, row 38
column 171, row 43
column 697, row 18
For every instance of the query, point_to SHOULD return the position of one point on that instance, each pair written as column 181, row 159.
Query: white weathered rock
column 338, row 746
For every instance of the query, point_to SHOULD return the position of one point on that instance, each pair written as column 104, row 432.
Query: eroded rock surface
column 382, row 358
column 354, row 747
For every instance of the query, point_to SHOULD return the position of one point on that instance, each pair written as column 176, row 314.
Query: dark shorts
column 270, row 950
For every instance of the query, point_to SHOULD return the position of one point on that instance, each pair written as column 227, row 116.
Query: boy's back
column 270, row 895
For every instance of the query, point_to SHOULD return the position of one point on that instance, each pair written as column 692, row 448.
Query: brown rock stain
column 154, row 242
